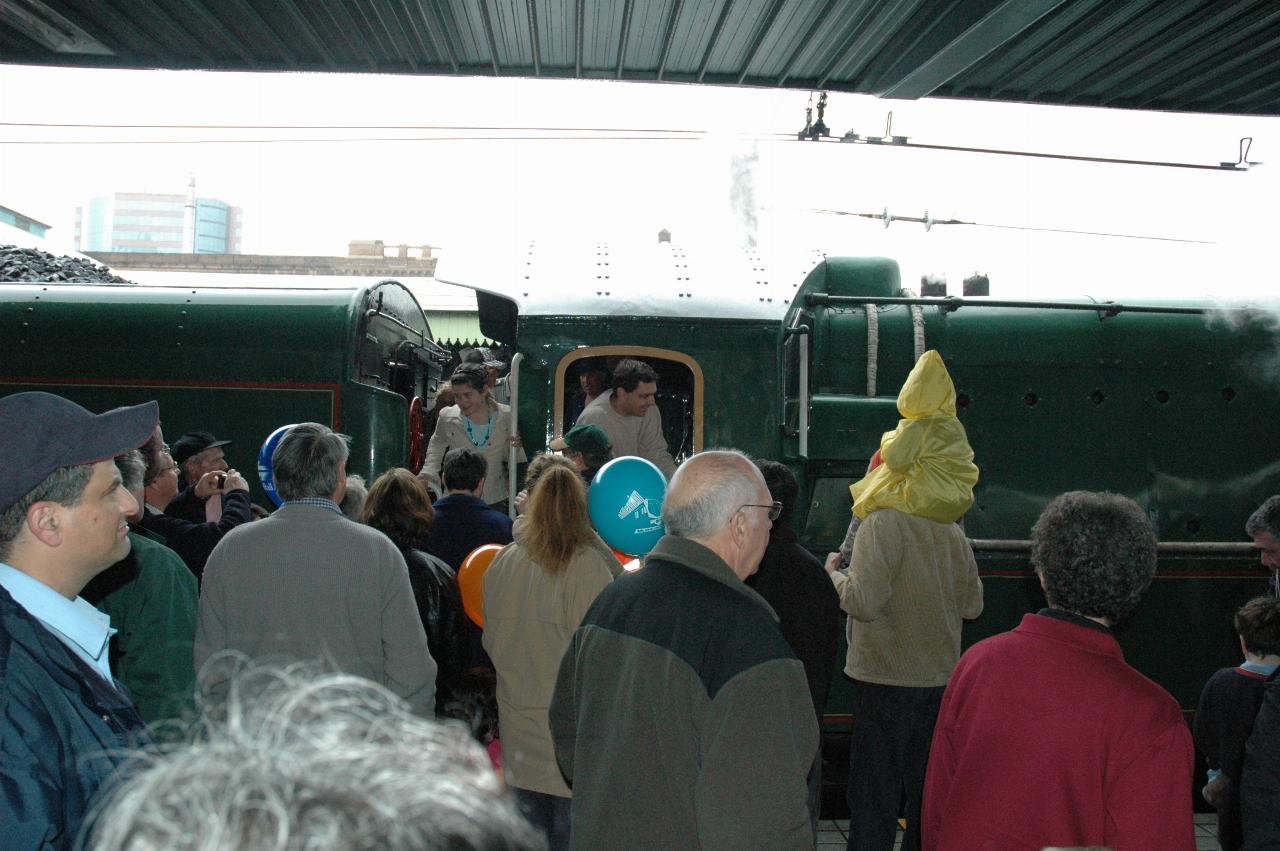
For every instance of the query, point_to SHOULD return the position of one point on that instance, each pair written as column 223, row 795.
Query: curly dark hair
column 1258, row 623
column 1095, row 554
column 399, row 507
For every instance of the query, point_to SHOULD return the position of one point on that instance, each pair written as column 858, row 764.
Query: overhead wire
column 461, row 127
column 929, row 222
column 347, row 140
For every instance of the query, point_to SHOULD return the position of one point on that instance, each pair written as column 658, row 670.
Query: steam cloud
column 742, row 191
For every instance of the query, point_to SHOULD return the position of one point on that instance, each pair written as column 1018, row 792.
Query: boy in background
column 1228, row 704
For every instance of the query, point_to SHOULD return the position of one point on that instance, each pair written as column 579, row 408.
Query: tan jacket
column 451, row 433
column 529, row 616
column 910, row 582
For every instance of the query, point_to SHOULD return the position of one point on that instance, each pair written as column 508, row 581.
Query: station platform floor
column 834, row 833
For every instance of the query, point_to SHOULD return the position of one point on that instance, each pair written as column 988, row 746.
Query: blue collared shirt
column 1258, row 668
column 314, row 500
column 76, row 623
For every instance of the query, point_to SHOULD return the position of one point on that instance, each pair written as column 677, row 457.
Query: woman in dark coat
column 399, row 506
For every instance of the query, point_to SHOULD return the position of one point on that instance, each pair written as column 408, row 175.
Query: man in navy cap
column 63, row 519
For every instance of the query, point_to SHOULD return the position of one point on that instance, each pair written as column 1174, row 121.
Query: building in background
column 21, row 222
column 154, row 223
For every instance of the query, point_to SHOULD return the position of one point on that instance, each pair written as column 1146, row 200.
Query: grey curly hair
column 1095, row 553
column 299, row 760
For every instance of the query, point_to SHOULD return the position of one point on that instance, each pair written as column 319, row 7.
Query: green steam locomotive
column 797, row 359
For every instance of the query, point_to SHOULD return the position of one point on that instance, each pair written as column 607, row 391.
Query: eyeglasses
column 775, row 509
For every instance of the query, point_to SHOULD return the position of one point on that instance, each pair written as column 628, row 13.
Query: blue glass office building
column 158, row 223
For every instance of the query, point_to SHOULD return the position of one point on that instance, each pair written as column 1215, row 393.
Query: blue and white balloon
column 266, row 471
column 625, row 503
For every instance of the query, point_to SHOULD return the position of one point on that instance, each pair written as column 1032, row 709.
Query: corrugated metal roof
column 1186, row 55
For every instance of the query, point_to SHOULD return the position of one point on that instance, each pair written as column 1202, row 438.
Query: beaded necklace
column 479, row 435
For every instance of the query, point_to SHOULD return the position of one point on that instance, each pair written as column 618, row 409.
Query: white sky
column 312, row 197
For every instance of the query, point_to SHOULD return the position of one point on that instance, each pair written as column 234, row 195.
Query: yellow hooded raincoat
column 927, row 467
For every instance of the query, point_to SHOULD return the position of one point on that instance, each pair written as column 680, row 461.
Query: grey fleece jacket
column 680, row 717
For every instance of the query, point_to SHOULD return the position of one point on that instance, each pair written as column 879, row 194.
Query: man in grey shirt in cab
column 629, row 415
column 680, row 717
column 307, row 584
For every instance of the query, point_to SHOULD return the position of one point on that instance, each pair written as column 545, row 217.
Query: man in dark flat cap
column 63, row 519
column 179, row 515
column 203, row 476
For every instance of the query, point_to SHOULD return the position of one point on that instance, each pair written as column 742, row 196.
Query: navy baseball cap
column 40, row 432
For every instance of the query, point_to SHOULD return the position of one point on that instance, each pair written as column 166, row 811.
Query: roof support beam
column 431, row 17
column 577, row 20
column 346, row 26
column 715, row 38
column 412, row 32
column 762, row 33
column 381, row 14
column 532, row 7
column 876, row 24
column 622, row 39
column 51, row 29
column 997, row 27
column 489, row 36
column 669, row 36
column 300, row 21
column 818, row 22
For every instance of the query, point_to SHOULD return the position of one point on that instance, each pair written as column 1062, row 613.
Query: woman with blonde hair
column 536, row 593
column 475, row 422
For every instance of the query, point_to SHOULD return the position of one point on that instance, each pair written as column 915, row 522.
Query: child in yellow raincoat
column 927, row 467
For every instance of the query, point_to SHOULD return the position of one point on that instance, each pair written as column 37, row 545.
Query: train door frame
column 699, row 384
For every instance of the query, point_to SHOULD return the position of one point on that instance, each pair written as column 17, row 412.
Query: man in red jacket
column 1048, row 725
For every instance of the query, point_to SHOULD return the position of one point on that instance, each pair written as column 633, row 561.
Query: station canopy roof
column 1214, row 56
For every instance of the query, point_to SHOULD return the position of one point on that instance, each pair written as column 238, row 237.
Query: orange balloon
column 622, row 557
column 471, row 580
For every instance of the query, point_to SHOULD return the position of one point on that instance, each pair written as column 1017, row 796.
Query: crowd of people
column 177, row 673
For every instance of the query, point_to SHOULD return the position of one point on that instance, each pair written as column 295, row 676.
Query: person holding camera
column 192, row 540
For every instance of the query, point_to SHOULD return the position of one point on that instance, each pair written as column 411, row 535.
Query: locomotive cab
column 680, row 390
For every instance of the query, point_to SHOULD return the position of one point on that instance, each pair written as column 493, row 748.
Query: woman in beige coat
column 536, row 593
column 475, row 422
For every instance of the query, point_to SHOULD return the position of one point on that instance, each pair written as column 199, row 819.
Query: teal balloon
column 625, row 503
column 266, row 472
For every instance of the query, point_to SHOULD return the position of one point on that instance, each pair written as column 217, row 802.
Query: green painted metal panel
column 240, row 363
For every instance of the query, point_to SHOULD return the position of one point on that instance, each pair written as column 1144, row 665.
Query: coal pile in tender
column 33, row 266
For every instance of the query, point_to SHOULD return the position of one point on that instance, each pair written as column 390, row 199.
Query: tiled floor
column 835, row 833
column 1206, row 832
